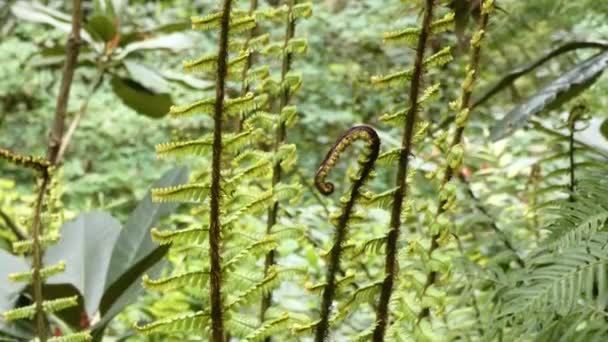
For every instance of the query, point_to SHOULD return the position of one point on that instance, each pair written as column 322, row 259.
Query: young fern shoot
column 406, row 118
column 455, row 152
column 366, row 162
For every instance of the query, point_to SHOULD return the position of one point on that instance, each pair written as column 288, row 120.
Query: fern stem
column 465, row 105
column 72, row 49
column 279, row 140
column 215, row 289
column 372, row 149
column 37, row 253
column 390, row 271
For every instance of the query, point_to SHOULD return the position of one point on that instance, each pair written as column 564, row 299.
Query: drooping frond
column 269, row 328
column 194, row 322
column 367, row 293
column 254, row 44
column 439, row 59
column 196, row 279
column 188, row 193
column 48, row 306
column 389, row 157
column 182, row 236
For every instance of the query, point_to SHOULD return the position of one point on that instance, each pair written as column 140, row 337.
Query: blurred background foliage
column 129, row 74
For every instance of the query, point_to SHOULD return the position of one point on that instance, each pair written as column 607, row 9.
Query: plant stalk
column 279, row 140
column 390, row 270
column 215, row 289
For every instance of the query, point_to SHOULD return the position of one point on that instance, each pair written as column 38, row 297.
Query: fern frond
column 48, row 306
column 303, row 10
column 239, row 22
column 259, row 289
column 254, row 44
column 410, row 35
column 45, row 273
column 200, row 147
column 196, row 279
column 439, row 59
column 393, row 80
column 186, row 193
column 208, row 64
column 182, row 236
column 382, row 200
column 558, row 280
column 36, row 163
column 83, row 336
column 389, row 157
column 257, row 248
column 269, row 328
column 25, row 246
column 367, row 293
column 194, row 322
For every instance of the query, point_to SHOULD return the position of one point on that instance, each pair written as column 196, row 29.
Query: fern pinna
column 44, row 233
column 238, row 188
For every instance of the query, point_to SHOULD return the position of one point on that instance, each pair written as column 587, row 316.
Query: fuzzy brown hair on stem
column 401, row 182
column 215, row 288
column 372, row 148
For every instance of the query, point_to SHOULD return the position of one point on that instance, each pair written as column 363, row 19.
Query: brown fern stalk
column 215, row 289
column 465, row 105
column 372, row 149
column 390, row 271
column 279, row 140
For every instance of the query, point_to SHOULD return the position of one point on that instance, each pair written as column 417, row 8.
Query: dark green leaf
column 85, row 246
column 604, row 128
column 140, row 98
column 101, row 28
column 553, row 95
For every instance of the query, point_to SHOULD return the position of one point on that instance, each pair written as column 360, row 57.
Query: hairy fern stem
column 372, row 149
column 390, row 270
column 461, row 120
column 215, row 289
column 279, row 139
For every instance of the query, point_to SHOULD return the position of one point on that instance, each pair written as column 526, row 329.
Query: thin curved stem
column 371, row 154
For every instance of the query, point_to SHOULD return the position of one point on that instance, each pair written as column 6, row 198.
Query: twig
column 67, row 138
column 13, row 226
column 72, row 49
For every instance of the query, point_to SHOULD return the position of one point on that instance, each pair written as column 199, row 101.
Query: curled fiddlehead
column 366, row 161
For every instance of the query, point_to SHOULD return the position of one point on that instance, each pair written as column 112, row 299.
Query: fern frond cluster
column 244, row 182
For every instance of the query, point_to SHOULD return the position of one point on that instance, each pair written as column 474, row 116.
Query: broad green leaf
column 85, row 248
column 554, row 94
column 135, row 253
